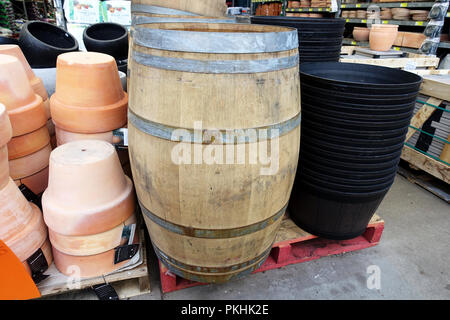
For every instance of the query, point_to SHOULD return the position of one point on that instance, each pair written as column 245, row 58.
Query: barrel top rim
column 282, row 29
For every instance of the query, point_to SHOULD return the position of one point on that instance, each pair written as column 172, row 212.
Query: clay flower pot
column 4, row 167
column 26, row 144
column 89, row 97
column 361, row 34
column 63, row 136
column 89, row 266
column 26, row 166
column 91, row 244
column 88, row 192
column 382, row 38
column 25, row 109
column 29, row 239
column 37, row 182
column 35, row 82
column 15, row 211
column 5, row 126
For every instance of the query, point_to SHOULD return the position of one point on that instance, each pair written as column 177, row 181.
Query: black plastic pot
column 300, row 23
column 333, row 215
column 374, row 99
column 380, row 125
column 334, row 137
column 6, row 40
column 360, row 79
column 320, row 35
column 321, row 42
column 332, row 171
column 322, row 59
column 358, row 110
column 42, row 42
column 109, row 38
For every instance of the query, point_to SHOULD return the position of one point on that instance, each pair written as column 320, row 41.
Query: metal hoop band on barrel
column 159, row 10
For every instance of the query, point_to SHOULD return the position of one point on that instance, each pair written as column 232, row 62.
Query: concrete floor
column 413, row 257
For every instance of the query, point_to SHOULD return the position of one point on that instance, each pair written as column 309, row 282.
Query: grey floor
column 413, row 259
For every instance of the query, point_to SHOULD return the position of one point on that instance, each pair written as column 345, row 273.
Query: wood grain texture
column 435, row 168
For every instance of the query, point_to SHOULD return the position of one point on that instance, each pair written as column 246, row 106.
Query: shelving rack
column 294, row 10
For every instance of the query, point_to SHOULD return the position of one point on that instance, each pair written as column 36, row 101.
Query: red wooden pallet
column 292, row 245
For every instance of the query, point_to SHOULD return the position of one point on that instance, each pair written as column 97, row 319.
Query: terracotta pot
column 89, row 97
column 295, row 4
column 361, row 34
column 29, row 239
column 37, row 182
column 4, row 167
column 51, row 128
column 15, row 211
column 35, row 82
column 47, row 108
column 91, row 244
column 382, row 38
column 88, row 192
column 25, row 109
column 89, row 266
column 63, row 136
column 26, row 166
column 5, row 126
column 47, row 251
column 28, row 143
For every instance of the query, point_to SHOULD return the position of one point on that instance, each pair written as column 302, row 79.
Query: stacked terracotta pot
column 35, row 82
column 22, row 227
column 89, row 101
column 89, row 208
column 29, row 149
column 382, row 36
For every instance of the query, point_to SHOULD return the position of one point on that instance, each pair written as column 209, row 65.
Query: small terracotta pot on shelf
column 15, row 211
column 25, row 109
column 37, row 182
column 29, row 143
column 361, row 34
column 382, row 37
column 63, row 136
column 89, row 97
column 88, row 192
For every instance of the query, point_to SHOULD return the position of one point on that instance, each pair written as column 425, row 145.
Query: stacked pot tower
column 89, row 101
column 22, row 226
column 89, row 207
column 30, row 148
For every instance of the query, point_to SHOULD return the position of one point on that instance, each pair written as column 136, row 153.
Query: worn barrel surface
column 214, row 8
column 213, row 218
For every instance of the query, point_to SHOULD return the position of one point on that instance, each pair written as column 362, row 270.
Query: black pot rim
column 105, row 24
column 73, row 48
column 307, row 70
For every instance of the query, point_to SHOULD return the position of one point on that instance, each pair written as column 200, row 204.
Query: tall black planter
column 319, row 39
column 354, row 123
column 42, row 43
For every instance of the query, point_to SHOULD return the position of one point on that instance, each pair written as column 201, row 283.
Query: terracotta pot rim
column 35, row 182
column 91, row 116
column 15, row 146
column 109, row 235
column 54, row 212
column 20, row 117
column 41, row 154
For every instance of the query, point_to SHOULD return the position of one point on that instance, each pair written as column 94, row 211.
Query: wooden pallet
column 292, row 245
column 410, row 62
column 127, row 283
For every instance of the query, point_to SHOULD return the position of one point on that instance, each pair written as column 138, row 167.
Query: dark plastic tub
column 334, row 137
column 356, row 98
column 360, row 78
column 6, row 40
column 358, row 110
column 355, row 125
column 324, row 175
column 42, row 43
column 321, row 43
column 331, row 49
column 333, row 216
column 320, row 35
column 300, row 22
column 349, row 174
column 109, row 38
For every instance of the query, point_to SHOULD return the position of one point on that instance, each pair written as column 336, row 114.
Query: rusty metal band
column 216, row 42
column 216, row 66
column 171, row 261
column 212, row 233
column 233, row 136
column 138, row 20
column 159, row 10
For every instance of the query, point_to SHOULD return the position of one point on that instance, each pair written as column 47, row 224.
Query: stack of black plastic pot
column 354, row 122
column 319, row 39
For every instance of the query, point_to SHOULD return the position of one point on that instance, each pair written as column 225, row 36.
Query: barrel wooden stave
column 215, row 8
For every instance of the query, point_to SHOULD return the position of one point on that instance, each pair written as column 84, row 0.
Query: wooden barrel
column 211, row 221
column 213, row 8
